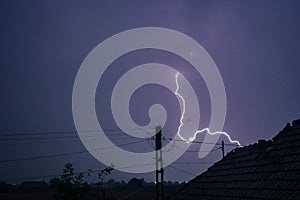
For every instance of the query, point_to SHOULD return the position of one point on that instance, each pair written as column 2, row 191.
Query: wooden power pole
column 159, row 182
column 223, row 149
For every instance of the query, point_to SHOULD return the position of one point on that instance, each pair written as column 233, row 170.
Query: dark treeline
column 73, row 185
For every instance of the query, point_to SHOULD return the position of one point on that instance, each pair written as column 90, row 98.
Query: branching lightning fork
column 191, row 139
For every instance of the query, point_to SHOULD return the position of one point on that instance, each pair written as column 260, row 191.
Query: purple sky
column 254, row 44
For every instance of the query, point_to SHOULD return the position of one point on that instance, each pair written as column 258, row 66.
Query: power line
column 81, row 152
column 25, row 133
column 181, row 170
column 67, row 154
column 116, row 168
column 56, row 137
column 50, row 139
column 201, row 142
column 85, row 151
column 195, row 151
column 54, row 141
column 84, row 172
column 192, row 162
column 114, row 131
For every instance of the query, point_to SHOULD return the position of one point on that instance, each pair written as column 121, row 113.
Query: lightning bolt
column 191, row 139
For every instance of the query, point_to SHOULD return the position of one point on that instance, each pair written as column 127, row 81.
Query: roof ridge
column 252, row 168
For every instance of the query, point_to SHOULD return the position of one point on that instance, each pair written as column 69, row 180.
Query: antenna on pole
column 159, row 178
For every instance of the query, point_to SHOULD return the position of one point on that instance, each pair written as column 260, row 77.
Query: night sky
column 255, row 45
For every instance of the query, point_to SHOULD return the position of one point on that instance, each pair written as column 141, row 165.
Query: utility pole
column 223, row 149
column 159, row 179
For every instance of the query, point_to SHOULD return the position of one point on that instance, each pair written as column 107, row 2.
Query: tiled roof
column 264, row 170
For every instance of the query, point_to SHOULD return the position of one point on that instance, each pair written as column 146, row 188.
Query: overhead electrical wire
column 67, row 154
column 181, row 170
column 26, row 133
column 99, row 170
column 76, row 173
column 201, row 142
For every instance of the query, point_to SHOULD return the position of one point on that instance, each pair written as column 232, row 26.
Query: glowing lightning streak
column 191, row 139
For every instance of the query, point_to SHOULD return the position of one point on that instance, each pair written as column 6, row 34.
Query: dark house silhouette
column 264, row 170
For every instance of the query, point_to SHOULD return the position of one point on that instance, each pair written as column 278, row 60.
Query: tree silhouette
column 73, row 186
column 70, row 186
